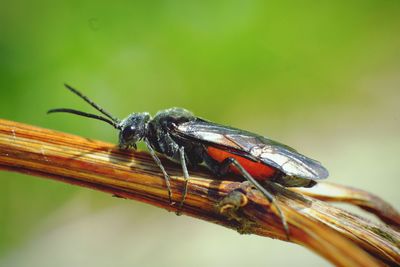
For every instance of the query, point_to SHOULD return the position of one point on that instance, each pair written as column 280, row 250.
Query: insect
column 191, row 141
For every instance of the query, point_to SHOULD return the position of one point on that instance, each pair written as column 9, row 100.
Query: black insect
column 190, row 140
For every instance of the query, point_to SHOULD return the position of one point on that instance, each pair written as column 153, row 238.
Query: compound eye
column 128, row 132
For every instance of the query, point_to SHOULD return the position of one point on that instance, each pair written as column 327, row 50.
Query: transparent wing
column 254, row 147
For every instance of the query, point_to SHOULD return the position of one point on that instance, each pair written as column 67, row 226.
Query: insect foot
column 230, row 206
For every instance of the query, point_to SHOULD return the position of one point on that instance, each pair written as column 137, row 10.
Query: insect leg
column 232, row 161
column 186, row 176
column 158, row 162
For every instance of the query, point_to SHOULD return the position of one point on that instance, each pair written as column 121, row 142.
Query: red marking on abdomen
column 257, row 170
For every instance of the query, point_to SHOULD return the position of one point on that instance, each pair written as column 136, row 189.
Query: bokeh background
column 322, row 77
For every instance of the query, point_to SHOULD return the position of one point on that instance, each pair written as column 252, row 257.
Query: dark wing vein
column 254, row 147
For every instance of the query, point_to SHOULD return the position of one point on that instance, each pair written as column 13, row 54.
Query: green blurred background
column 321, row 76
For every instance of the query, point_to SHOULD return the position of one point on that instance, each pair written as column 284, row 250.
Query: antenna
column 110, row 120
column 84, row 114
column 106, row 113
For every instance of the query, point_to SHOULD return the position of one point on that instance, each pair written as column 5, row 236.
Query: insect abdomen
column 257, row 170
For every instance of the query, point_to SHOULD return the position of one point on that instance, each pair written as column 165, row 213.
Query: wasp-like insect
column 190, row 140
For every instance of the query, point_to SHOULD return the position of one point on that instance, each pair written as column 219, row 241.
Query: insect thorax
column 161, row 134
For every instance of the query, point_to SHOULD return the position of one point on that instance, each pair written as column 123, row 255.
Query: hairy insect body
column 160, row 133
column 190, row 140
